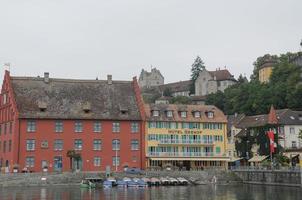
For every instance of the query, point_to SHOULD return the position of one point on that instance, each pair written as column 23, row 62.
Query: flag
column 271, row 136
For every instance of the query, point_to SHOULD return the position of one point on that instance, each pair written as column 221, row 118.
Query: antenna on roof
column 301, row 43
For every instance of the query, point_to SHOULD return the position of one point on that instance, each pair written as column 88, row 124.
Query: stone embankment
column 68, row 178
column 271, row 177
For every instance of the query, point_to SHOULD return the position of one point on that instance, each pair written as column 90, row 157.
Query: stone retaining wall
column 270, row 177
column 35, row 179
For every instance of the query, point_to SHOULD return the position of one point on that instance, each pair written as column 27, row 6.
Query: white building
column 212, row 81
column 149, row 79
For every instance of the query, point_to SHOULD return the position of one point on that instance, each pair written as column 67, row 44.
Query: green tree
column 197, row 67
column 167, row 92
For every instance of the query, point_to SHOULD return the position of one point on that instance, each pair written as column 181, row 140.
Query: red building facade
column 44, row 119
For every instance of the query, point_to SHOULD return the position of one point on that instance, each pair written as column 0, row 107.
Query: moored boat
column 87, row 184
column 155, row 181
column 112, row 180
column 147, row 180
column 182, row 181
column 121, row 183
column 164, row 181
column 107, row 184
column 132, row 184
column 173, row 181
column 142, row 183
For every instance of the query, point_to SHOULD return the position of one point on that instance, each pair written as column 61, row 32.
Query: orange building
column 42, row 119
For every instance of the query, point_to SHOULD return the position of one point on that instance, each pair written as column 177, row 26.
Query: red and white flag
column 271, row 137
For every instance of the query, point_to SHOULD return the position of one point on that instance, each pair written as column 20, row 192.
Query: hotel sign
column 184, row 131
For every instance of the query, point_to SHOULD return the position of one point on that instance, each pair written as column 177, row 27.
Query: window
column 30, row 161
column 292, row 130
column 294, row 144
column 78, row 127
column 134, row 145
column 10, row 127
column 30, row 145
column 0, row 129
column 4, row 99
column 115, row 127
column 97, row 161
column 185, row 125
column 58, row 126
column 97, row 127
column 169, row 113
column 115, row 144
column 78, row 144
column 58, row 145
column 116, row 161
column 218, row 150
column 5, row 129
column 197, row 114
column 97, row 145
column 152, row 124
column 9, row 146
column 31, row 126
column 134, row 127
column 183, row 114
column 173, row 125
column 4, row 146
column 155, row 113
column 44, row 164
column 210, row 114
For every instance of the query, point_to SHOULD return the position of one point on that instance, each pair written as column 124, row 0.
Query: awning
column 235, row 159
column 192, row 159
column 258, row 158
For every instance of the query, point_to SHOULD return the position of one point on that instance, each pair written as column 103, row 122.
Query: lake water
column 239, row 192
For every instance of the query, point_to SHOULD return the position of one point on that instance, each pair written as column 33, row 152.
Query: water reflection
column 239, row 192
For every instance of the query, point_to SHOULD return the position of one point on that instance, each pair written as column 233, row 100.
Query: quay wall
column 271, row 177
column 68, row 178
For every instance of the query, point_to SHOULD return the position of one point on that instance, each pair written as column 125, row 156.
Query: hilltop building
column 181, row 88
column 43, row 118
column 149, row 79
column 266, row 69
column 185, row 136
column 212, row 81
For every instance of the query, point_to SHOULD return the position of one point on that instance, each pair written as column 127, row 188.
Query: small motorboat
column 142, row 183
column 126, row 179
column 87, row 184
column 164, row 181
column 183, row 181
column 136, row 180
column 112, row 180
column 107, row 184
column 173, row 181
column 121, row 183
column 155, row 181
column 132, row 184
column 147, row 180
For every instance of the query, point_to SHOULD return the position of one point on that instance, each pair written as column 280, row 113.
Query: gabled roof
column 222, row 75
column 284, row 117
column 176, row 108
column 68, row 99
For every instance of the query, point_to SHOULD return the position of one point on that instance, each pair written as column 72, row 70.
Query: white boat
column 182, row 181
column 112, row 180
column 136, row 180
column 164, row 181
column 147, row 180
column 126, row 179
column 173, row 181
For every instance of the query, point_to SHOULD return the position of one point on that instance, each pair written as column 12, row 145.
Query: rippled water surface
column 244, row 192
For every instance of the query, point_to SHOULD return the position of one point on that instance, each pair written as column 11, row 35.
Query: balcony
column 185, row 142
column 182, row 154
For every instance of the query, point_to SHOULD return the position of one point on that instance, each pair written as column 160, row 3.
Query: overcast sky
column 90, row 38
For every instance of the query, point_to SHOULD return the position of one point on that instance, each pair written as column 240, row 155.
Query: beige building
column 149, row 79
column 212, row 81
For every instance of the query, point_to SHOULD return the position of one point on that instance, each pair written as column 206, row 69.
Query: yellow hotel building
column 187, row 137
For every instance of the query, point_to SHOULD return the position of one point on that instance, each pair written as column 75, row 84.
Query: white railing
column 177, row 141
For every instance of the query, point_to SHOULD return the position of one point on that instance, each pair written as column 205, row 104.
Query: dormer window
column 42, row 106
column 86, row 107
column 210, row 115
column 197, row 114
column 183, row 114
column 169, row 113
column 155, row 113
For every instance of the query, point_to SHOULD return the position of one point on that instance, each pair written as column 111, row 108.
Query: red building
column 42, row 119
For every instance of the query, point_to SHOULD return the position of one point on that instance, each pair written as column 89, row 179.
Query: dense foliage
column 284, row 90
column 197, row 67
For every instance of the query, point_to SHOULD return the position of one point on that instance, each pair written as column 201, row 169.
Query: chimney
column 46, row 77
column 109, row 79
